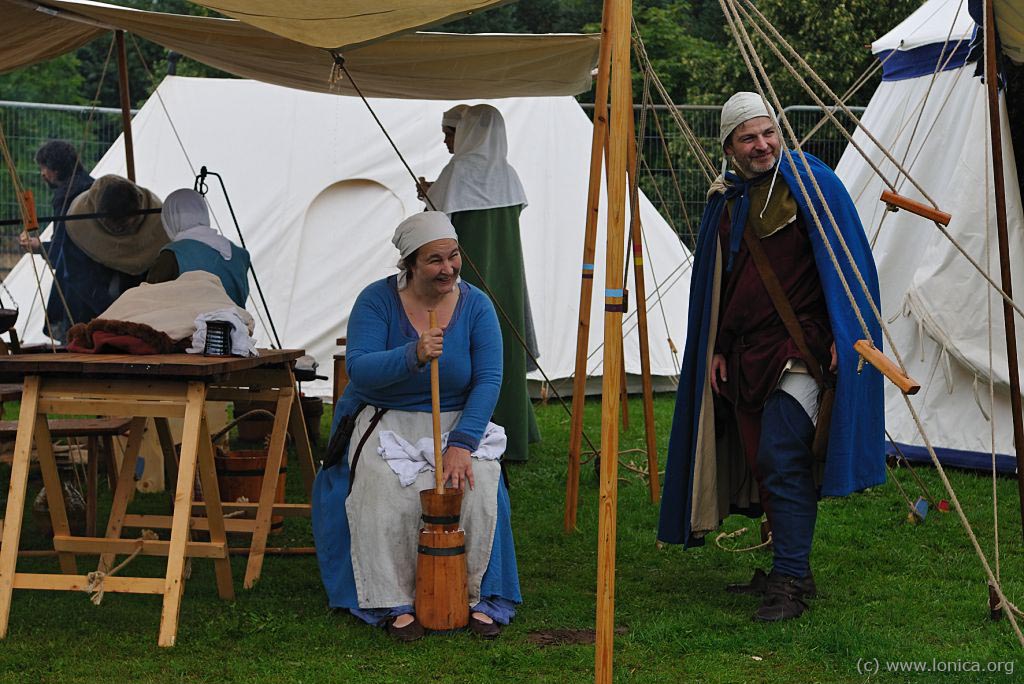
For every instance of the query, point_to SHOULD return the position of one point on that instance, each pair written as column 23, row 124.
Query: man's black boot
column 783, row 599
column 758, row 585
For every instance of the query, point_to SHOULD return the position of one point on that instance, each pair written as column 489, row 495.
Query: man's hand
column 718, row 372
column 458, row 467
column 29, row 242
column 430, row 346
column 835, row 360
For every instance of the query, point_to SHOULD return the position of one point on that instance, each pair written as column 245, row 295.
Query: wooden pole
column 1009, row 325
column 640, row 287
column 572, row 481
column 621, row 115
column 126, row 106
column 624, row 390
column 435, row 411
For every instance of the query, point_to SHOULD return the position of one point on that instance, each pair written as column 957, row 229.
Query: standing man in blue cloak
column 772, row 412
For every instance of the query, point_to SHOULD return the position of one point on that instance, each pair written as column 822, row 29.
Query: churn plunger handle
column 435, row 410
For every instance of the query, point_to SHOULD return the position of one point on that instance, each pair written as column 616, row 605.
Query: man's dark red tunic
column 751, row 334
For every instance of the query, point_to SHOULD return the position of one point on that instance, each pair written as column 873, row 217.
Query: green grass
column 889, row 591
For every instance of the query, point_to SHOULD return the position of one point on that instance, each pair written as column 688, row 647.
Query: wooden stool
column 95, row 431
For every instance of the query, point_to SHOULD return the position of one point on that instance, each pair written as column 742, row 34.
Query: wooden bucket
column 240, row 474
column 442, row 601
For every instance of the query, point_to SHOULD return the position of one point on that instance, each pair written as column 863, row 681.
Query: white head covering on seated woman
column 478, row 176
column 185, row 217
column 416, row 231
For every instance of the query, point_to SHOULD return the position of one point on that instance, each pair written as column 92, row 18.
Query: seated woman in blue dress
column 366, row 508
column 195, row 246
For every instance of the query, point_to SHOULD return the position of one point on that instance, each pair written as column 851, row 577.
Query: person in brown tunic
column 759, row 371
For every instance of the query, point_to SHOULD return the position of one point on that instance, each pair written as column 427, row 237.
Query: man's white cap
column 742, row 107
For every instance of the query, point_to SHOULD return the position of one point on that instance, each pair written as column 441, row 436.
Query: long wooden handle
column 886, row 367
column 435, row 410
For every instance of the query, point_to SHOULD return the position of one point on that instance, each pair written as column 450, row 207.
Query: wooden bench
column 96, row 432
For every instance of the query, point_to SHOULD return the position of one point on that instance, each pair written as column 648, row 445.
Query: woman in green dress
column 482, row 194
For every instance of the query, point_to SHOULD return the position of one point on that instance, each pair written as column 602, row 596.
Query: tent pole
column 597, row 147
column 621, row 115
column 641, row 313
column 1009, row 325
column 126, row 106
column 624, row 389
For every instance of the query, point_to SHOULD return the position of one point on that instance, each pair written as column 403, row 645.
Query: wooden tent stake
column 600, row 137
column 886, row 367
column 435, row 411
column 126, row 104
column 641, row 313
column 1009, row 325
column 621, row 114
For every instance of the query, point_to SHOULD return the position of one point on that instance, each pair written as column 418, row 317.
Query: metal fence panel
column 670, row 174
column 27, row 126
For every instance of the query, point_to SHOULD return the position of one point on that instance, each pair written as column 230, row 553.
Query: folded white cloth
column 242, row 344
column 409, row 460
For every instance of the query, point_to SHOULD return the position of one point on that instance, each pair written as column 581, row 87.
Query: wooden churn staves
column 442, row 599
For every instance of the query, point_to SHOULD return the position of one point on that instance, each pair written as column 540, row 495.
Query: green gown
column 490, row 237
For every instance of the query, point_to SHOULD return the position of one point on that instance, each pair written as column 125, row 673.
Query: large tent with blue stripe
column 930, row 111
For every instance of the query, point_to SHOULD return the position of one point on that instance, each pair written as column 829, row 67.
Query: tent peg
column 886, row 367
column 896, row 202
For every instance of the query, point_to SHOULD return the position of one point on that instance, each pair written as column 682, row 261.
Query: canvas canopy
column 318, row 192
column 945, row 319
column 419, row 65
column 345, row 23
column 1010, row 24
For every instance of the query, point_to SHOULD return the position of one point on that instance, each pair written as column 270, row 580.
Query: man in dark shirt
column 61, row 169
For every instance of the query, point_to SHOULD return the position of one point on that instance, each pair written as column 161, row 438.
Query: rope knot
column 94, row 586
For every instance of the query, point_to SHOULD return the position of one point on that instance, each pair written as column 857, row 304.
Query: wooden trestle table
column 144, row 387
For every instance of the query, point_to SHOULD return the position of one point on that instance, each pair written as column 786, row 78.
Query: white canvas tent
column 318, row 191
column 944, row 317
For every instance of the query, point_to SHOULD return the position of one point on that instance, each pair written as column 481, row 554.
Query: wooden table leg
column 214, row 511
column 125, row 489
column 92, row 470
column 16, row 497
column 174, row 585
column 54, row 491
column 265, row 508
column 166, row 439
column 300, row 438
column 109, row 461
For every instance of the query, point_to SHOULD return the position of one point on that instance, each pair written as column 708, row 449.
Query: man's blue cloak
column 856, row 450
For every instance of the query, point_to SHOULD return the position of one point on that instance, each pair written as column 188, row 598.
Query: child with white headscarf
column 195, row 246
